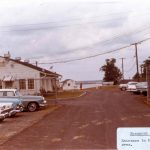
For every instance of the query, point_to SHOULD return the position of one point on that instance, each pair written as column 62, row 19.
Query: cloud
column 50, row 31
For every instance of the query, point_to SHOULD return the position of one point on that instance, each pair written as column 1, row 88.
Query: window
column 68, row 84
column 8, row 84
column 10, row 93
column 4, row 93
column 30, row 83
column 22, row 84
column 1, row 94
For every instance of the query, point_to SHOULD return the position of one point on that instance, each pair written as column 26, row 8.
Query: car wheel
column 32, row 106
column 144, row 93
column 13, row 115
column 1, row 119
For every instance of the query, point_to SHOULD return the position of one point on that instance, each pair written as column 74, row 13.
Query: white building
column 28, row 78
column 69, row 84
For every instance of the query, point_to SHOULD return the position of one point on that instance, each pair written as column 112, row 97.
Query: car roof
column 9, row 90
column 132, row 82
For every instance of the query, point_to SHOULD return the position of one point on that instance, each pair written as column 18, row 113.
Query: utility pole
column 137, row 62
column 122, row 68
column 36, row 63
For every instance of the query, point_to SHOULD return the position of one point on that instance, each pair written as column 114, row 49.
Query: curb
column 84, row 93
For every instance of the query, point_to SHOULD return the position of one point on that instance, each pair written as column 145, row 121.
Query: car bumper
column 13, row 112
column 132, row 90
column 142, row 90
column 44, row 104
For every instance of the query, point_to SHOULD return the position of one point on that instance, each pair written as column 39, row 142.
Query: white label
column 133, row 138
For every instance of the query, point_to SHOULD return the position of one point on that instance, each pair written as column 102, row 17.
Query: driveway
column 89, row 122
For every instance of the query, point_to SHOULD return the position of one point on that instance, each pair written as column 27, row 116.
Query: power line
column 92, row 56
column 131, row 68
column 104, row 42
column 34, row 26
column 68, row 20
column 66, row 61
column 57, row 26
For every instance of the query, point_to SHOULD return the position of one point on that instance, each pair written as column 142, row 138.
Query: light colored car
column 142, row 87
column 3, row 114
column 123, row 87
column 131, row 86
column 11, row 106
column 30, row 103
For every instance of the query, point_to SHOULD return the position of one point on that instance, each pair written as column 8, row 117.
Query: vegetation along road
column 89, row 122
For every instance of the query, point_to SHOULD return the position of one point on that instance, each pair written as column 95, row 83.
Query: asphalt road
column 89, row 122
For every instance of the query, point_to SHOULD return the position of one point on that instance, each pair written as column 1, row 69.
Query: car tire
column 144, row 93
column 32, row 107
column 1, row 120
column 14, row 115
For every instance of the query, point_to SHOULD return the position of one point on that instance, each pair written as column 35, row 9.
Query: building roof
column 42, row 70
column 65, row 81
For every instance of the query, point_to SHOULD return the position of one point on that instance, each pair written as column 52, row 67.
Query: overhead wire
column 69, row 20
column 104, row 42
column 92, row 56
column 132, row 67
column 57, row 26
column 34, row 26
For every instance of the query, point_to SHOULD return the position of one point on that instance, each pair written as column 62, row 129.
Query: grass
column 109, row 87
column 65, row 94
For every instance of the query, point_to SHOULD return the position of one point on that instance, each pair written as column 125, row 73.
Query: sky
column 53, row 32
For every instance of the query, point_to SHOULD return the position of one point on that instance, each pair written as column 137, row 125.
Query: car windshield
column 18, row 93
column 133, row 83
column 6, row 93
column 142, row 84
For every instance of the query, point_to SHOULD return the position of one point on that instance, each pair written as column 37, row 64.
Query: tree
column 143, row 70
column 111, row 72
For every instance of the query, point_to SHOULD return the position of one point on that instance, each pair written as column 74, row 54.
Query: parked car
column 30, row 103
column 142, row 88
column 3, row 114
column 131, row 86
column 2, row 117
column 123, row 87
column 11, row 106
